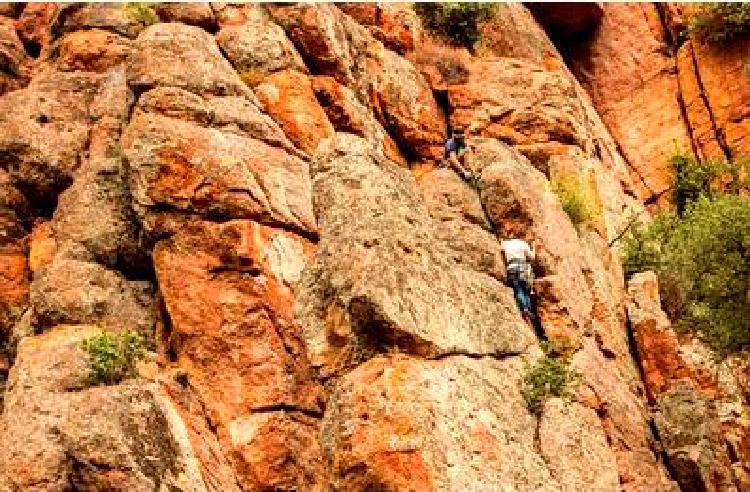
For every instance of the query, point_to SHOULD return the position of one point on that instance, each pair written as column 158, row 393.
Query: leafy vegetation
column 703, row 263
column 457, row 22
column 694, row 178
column 549, row 377
column 701, row 252
column 113, row 357
column 718, row 22
column 141, row 12
column 575, row 200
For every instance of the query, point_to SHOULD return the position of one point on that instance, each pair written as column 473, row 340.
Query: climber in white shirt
column 518, row 257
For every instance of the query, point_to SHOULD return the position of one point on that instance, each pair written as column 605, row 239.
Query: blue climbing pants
column 521, row 290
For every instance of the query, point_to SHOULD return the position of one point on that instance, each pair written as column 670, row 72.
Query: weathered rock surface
column 396, row 25
column 657, row 91
column 627, row 69
column 288, row 98
column 694, row 426
column 257, row 189
column 182, row 56
column 60, row 434
column 381, row 280
column 75, row 290
column 227, row 289
column 45, row 130
column 212, row 167
column 400, row 97
column 94, row 50
column 347, row 114
column 193, row 14
column 257, row 48
column 13, row 71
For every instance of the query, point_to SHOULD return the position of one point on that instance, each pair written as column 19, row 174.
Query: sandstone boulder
column 382, row 281
column 258, row 48
column 125, row 19
column 182, row 56
column 62, row 435
column 93, row 50
column 228, row 292
column 45, row 131
column 288, row 97
column 71, row 290
column 184, row 166
column 199, row 14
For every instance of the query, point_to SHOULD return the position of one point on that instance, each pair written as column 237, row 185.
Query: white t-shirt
column 517, row 249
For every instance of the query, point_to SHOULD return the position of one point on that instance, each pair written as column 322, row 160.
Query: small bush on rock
column 450, row 61
column 693, row 178
column 549, row 377
column 575, row 200
column 141, row 12
column 720, row 22
column 703, row 263
column 457, row 22
column 112, row 357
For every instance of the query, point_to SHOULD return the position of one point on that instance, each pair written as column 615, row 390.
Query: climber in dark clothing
column 455, row 147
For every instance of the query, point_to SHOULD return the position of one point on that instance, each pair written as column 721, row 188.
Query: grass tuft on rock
column 451, row 62
column 575, row 200
column 456, row 22
column 113, row 357
column 549, row 377
column 141, row 12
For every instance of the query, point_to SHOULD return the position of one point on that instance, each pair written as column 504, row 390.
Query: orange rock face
column 627, row 69
column 288, row 98
column 93, row 51
column 257, row 190
column 33, row 26
column 659, row 93
column 658, row 346
column 227, row 289
column 396, row 25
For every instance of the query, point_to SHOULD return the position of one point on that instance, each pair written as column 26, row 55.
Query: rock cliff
column 256, row 189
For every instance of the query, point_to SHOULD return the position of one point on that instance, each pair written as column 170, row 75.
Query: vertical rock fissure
column 718, row 131
column 673, row 45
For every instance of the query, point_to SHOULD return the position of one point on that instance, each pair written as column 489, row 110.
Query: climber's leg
column 519, row 292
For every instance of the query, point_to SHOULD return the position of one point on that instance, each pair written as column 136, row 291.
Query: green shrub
column 703, row 263
column 693, row 178
column 549, row 377
column 642, row 246
column 457, row 22
column 141, row 12
column 575, row 200
column 112, row 357
column 720, row 22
